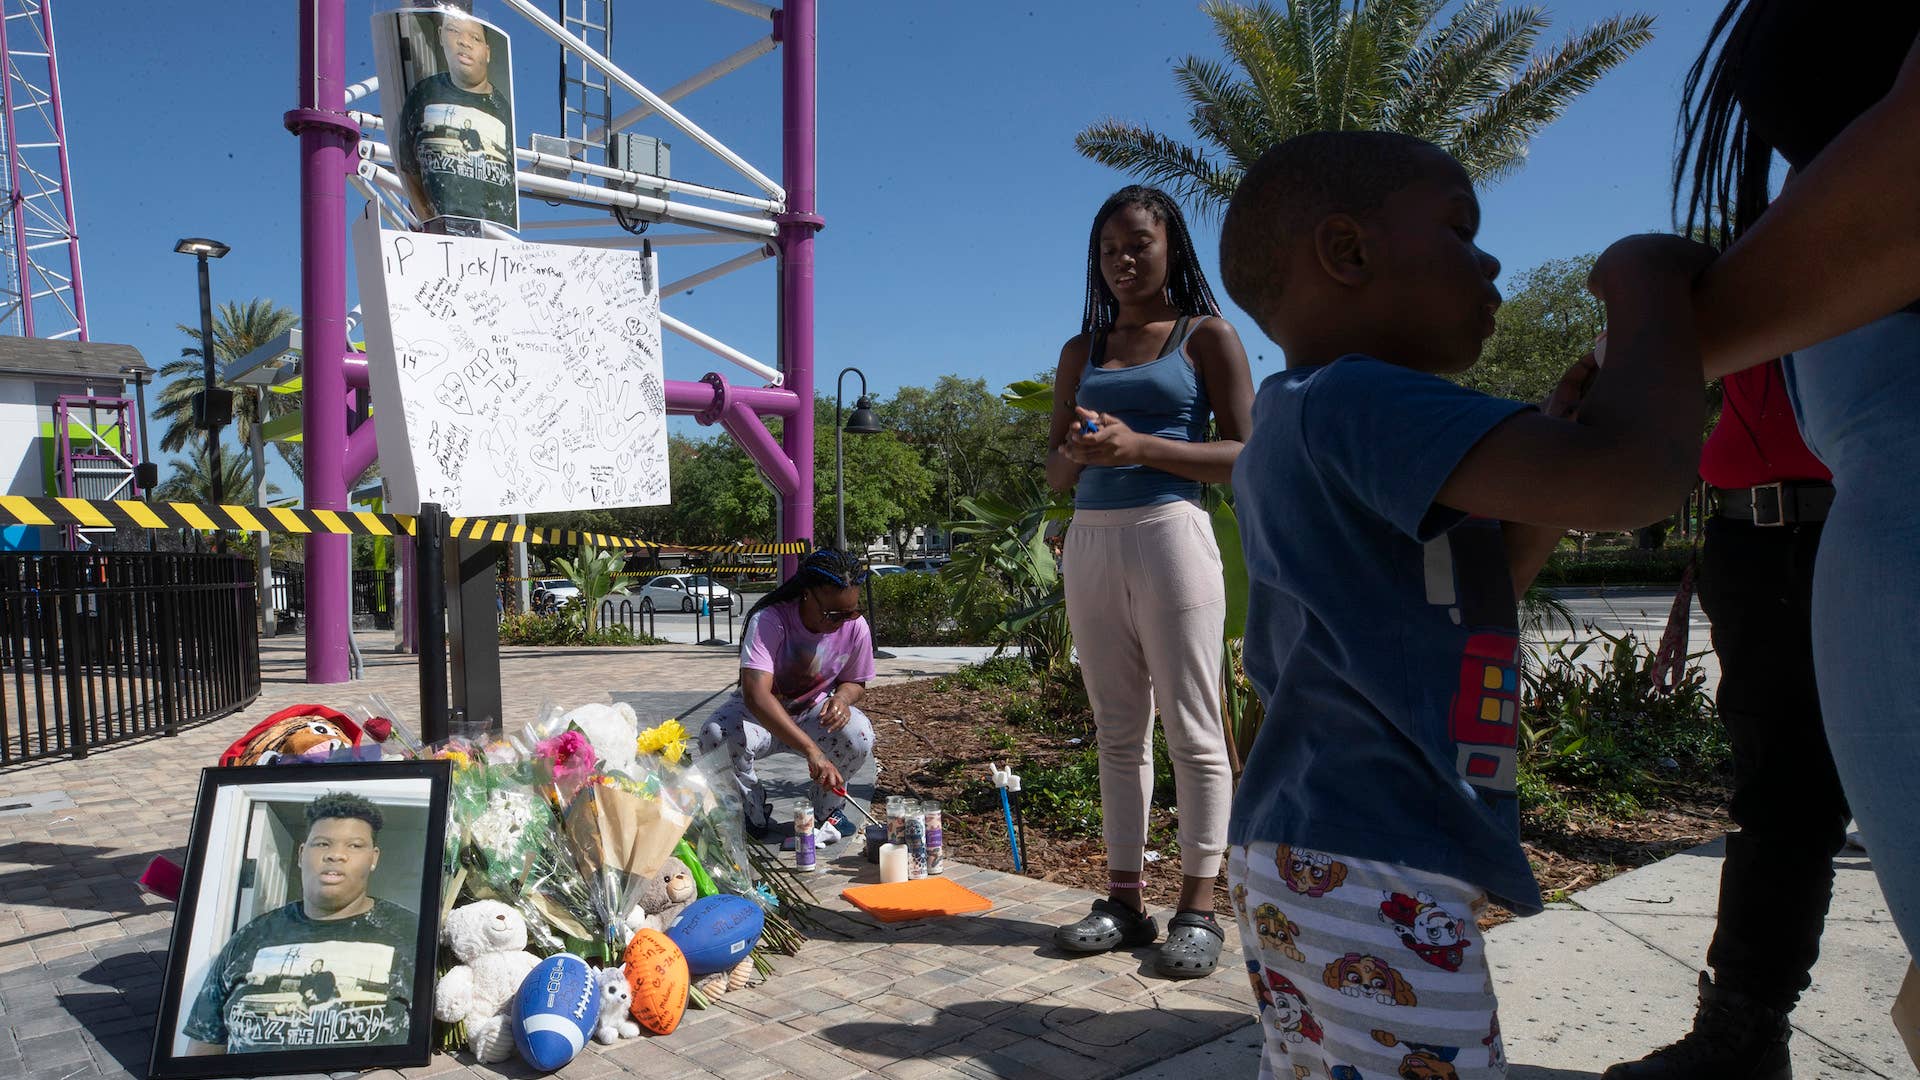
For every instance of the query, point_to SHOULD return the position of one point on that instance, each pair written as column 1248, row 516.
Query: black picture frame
column 231, row 871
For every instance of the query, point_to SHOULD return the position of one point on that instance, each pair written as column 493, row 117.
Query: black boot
column 1734, row 1037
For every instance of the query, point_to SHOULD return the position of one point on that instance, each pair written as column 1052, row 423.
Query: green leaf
column 1233, row 565
column 1029, row 395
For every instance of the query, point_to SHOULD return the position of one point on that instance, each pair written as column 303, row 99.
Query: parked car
column 683, row 592
column 927, row 566
column 883, row 569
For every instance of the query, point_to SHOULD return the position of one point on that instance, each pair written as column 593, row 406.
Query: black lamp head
column 200, row 245
column 862, row 421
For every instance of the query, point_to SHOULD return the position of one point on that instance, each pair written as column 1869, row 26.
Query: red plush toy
column 294, row 732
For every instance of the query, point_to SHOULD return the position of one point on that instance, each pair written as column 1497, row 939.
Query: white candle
column 895, row 863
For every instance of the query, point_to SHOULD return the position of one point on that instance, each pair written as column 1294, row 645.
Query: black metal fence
column 373, row 597
column 96, row 647
column 628, row 612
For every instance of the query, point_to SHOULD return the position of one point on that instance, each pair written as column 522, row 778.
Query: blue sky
column 956, row 206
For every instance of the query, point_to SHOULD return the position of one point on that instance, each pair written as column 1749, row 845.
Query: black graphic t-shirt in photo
column 286, row 982
column 462, row 147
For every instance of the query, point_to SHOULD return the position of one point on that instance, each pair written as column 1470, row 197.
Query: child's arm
column 1062, row 470
column 1530, row 546
column 1838, row 249
column 1634, row 448
column 1222, row 365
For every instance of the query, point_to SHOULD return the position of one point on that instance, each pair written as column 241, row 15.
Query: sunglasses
column 832, row 615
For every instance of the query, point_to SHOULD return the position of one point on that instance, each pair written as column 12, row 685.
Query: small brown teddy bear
column 667, row 894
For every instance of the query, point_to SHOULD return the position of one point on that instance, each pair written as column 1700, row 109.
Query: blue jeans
column 1858, row 400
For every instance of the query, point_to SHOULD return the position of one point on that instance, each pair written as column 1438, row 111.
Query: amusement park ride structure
column 96, row 435
column 341, row 146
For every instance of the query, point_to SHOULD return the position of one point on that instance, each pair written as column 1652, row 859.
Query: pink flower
column 570, row 756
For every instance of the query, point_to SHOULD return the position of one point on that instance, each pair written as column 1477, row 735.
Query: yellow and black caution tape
column 134, row 514
column 684, row 571
column 508, row 532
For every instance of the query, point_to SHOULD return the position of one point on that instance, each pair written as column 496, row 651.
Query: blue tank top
column 1163, row 398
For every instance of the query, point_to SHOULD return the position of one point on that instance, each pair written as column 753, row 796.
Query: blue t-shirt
column 1381, row 629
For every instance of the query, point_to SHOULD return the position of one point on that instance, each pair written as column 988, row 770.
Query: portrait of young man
column 453, row 136
column 334, row 968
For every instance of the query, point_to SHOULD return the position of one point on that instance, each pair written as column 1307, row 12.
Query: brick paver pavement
column 83, row 951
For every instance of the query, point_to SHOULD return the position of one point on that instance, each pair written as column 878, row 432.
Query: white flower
column 611, row 729
column 502, row 829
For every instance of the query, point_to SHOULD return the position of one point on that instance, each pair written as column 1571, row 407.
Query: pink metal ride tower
column 787, row 216
column 38, row 239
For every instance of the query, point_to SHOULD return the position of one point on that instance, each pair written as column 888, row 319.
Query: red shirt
column 1757, row 440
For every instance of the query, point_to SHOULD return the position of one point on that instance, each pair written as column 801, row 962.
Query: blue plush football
column 554, row 1012
column 716, row 932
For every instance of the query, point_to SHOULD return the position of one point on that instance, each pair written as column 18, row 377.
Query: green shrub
column 1608, row 734
column 1009, row 672
column 928, row 609
column 1624, row 566
column 1064, row 795
column 563, row 630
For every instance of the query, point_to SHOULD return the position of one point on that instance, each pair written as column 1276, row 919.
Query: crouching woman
column 805, row 657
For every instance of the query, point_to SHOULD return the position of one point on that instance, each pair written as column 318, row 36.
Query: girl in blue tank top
column 1137, row 389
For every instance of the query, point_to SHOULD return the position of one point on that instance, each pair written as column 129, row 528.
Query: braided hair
column 822, row 566
column 1727, row 178
column 1187, row 286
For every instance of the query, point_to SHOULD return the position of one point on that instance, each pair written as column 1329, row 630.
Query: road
column 1641, row 611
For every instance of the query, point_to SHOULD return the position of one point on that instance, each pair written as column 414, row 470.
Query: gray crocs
column 1192, row 948
column 1108, row 926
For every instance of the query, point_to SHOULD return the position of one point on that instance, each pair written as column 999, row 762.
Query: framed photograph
column 308, row 921
column 446, row 97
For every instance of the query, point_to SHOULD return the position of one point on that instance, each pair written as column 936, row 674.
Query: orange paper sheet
column 922, row 899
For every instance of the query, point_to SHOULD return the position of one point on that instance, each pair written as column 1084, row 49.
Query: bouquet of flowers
column 504, row 842
column 623, row 812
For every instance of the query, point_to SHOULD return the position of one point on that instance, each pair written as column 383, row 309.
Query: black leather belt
column 1788, row 502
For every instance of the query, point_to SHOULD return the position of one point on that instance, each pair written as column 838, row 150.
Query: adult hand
column 1563, row 402
column 1113, row 444
column 1648, row 261
column 834, row 713
column 824, row 774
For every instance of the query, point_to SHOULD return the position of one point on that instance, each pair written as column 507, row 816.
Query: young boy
column 1390, row 520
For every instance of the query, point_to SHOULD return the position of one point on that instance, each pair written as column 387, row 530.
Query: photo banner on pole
column 446, row 94
column 524, row 378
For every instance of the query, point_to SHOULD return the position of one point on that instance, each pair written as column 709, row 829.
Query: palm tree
column 191, row 480
column 1470, row 83
column 238, row 329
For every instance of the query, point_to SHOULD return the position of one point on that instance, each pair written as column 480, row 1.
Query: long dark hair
column 823, row 566
column 1186, row 284
column 1726, row 180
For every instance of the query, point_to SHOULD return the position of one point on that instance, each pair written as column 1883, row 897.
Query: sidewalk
column 1608, row 976
column 82, row 951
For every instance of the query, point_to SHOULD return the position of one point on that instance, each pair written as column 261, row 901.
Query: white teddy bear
column 490, row 939
column 616, row 1003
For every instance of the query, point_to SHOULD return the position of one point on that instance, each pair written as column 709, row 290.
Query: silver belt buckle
column 1779, row 504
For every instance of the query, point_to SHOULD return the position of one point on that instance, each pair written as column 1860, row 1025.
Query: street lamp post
column 213, row 405
column 862, row 422
column 146, row 474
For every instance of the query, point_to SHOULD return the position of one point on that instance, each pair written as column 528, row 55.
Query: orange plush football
column 657, row 976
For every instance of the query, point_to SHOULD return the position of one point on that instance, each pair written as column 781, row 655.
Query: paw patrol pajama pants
column 1364, row 970
column 732, row 725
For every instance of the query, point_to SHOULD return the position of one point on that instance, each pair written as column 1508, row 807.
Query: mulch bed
column 938, row 743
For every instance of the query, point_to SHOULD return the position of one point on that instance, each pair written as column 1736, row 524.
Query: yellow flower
column 667, row 739
column 459, row 758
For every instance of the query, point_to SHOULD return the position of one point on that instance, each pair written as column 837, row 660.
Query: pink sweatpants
column 1147, row 604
